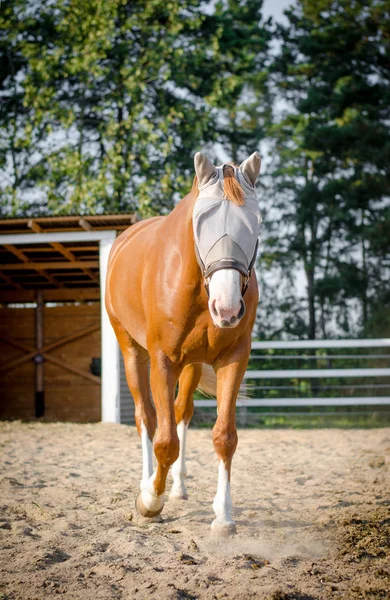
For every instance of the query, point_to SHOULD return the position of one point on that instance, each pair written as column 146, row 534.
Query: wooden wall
column 68, row 396
column 17, row 386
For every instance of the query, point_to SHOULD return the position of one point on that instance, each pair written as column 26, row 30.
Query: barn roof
column 66, row 270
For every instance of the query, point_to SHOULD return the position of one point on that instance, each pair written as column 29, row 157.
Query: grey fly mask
column 226, row 235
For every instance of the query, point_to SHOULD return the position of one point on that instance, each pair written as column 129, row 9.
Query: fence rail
column 302, row 374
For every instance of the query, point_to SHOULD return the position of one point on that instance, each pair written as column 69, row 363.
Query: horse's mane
column 232, row 189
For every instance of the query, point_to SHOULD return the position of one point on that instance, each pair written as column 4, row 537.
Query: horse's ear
column 250, row 168
column 204, row 168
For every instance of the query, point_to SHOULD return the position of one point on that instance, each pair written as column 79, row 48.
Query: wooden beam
column 67, row 219
column 16, row 252
column 64, row 251
column 57, row 295
column 21, row 256
column 70, row 256
column 110, row 389
column 34, row 351
column 12, row 364
column 39, row 366
column 39, row 266
column 10, row 281
column 104, row 233
column 85, row 225
column 64, row 365
column 31, row 224
column 48, row 249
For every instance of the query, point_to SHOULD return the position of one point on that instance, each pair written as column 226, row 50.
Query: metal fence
column 375, row 379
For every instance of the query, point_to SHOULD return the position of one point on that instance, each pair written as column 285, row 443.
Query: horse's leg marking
column 179, row 470
column 229, row 376
column 136, row 361
column 184, row 409
column 151, row 499
column 222, row 504
column 147, row 456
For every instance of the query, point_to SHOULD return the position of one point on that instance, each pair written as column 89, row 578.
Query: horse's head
column 226, row 222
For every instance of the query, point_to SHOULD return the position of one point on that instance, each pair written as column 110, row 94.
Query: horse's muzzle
column 233, row 321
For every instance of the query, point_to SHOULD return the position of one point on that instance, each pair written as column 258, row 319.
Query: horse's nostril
column 242, row 309
column 214, row 308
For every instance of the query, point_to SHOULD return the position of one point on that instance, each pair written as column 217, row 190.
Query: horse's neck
column 180, row 223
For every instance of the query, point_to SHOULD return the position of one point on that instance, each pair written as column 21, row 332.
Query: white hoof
column 149, row 505
column 223, row 528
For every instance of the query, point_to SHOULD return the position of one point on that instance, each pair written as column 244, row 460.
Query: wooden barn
column 59, row 358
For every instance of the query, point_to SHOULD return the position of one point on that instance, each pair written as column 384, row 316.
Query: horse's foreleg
column 163, row 379
column 136, row 361
column 184, row 409
column 229, row 378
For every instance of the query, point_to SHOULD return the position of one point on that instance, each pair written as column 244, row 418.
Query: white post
column 110, row 347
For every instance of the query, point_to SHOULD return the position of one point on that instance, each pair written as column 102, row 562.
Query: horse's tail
column 208, row 381
column 208, row 384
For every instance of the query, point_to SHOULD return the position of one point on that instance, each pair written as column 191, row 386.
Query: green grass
column 259, row 418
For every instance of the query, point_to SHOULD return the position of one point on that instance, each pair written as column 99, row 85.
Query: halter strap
column 227, row 264
column 220, row 169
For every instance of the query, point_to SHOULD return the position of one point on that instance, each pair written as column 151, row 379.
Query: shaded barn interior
column 50, row 321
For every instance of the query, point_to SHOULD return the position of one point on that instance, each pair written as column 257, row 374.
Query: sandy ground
column 312, row 511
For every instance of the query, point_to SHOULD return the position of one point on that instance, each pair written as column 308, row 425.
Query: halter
column 226, row 263
column 230, row 232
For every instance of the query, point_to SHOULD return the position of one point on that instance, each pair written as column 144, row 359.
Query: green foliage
column 108, row 101
column 331, row 177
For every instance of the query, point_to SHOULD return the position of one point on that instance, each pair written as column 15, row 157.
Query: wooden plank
column 31, row 224
column 67, row 219
column 72, row 337
column 46, row 249
column 70, row 256
column 17, row 344
column 297, row 344
column 20, row 254
column 343, row 401
column 16, row 252
column 39, row 366
column 39, row 266
column 10, row 281
column 17, row 362
column 17, row 387
column 41, row 349
column 71, row 391
column 64, row 365
column 88, row 414
column 315, row 373
column 65, row 252
column 85, row 225
column 24, row 296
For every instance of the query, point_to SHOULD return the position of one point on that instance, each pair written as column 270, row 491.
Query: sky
column 275, row 8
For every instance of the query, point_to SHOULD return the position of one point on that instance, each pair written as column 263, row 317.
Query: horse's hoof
column 178, row 495
column 146, row 512
column 223, row 530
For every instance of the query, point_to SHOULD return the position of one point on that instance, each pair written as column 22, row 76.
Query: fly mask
column 226, row 234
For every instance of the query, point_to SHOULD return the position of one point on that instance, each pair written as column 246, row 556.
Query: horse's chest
column 202, row 343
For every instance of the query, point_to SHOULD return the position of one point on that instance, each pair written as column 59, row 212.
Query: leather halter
column 227, row 263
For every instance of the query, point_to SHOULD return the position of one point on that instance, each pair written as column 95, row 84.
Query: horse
column 182, row 296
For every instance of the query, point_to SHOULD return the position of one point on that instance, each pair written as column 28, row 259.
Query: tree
column 332, row 172
column 113, row 98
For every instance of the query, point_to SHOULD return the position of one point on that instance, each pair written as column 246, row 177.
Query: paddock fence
column 313, row 376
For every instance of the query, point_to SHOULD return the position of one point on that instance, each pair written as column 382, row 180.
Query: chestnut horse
column 181, row 295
